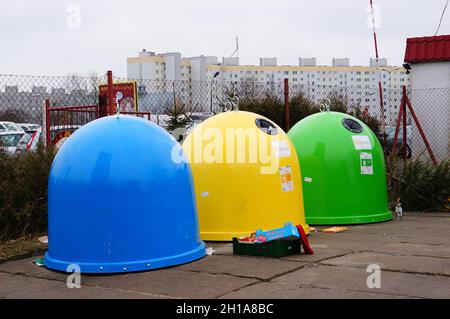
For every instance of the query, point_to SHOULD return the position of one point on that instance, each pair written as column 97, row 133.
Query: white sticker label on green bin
column 361, row 142
column 366, row 163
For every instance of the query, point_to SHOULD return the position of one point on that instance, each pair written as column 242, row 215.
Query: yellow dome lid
column 246, row 176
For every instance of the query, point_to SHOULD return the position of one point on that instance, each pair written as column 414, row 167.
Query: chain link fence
column 22, row 100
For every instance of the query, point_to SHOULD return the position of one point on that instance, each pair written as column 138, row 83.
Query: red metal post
column 47, row 123
column 380, row 87
column 404, row 128
column 110, row 94
column 383, row 122
column 419, row 127
column 286, row 103
column 397, row 126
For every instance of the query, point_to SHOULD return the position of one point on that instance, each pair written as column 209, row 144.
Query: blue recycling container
column 118, row 202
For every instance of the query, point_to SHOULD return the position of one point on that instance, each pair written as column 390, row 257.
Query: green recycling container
column 343, row 170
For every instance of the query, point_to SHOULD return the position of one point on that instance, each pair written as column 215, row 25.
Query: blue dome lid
column 117, row 202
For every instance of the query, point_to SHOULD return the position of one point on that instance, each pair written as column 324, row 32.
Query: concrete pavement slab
column 172, row 283
column 15, row 286
column 319, row 254
column 269, row 290
column 415, row 249
column 243, row 266
column 413, row 264
column 28, row 268
column 354, row 279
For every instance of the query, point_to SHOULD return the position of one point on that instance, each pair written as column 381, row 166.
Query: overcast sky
column 45, row 38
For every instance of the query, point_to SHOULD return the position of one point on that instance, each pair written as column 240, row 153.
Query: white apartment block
column 200, row 76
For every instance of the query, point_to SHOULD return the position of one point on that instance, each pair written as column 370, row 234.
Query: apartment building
column 201, row 76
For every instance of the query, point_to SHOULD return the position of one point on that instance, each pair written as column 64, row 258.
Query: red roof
column 428, row 49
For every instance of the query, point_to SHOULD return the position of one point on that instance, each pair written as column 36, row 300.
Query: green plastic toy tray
column 275, row 248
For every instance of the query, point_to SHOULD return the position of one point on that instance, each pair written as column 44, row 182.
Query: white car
column 9, row 127
column 30, row 140
column 10, row 135
column 9, row 140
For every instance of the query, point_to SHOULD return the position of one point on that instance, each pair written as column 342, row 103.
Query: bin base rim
column 124, row 267
column 363, row 219
column 228, row 236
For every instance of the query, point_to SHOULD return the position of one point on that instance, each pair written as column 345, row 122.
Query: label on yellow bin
column 366, row 163
column 287, row 183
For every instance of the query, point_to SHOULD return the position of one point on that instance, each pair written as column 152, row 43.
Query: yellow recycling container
column 246, row 176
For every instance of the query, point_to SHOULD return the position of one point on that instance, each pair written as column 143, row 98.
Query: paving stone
column 355, row 279
column 319, row 254
column 15, row 286
column 278, row 291
column 172, row 283
column 416, row 264
column 406, row 248
column 254, row 267
column 28, row 268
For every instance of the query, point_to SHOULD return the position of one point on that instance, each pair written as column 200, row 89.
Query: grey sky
column 35, row 39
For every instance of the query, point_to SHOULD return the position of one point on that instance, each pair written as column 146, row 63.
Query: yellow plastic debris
column 334, row 229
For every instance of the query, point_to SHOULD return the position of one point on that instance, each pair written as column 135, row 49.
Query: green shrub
column 421, row 185
column 270, row 107
column 23, row 193
column 300, row 106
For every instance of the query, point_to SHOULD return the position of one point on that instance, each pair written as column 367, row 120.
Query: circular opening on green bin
column 266, row 126
column 352, row 125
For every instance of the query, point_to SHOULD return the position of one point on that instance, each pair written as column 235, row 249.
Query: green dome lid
column 343, row 170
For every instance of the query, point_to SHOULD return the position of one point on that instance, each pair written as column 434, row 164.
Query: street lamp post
column 211, row 95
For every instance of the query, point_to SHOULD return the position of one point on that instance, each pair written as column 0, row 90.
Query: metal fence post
column 110, row 93
column 47, row 123
column 404, row 149
column 286, row 103
column 419, row 127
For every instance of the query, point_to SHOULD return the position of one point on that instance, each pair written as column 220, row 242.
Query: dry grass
column 21, row 248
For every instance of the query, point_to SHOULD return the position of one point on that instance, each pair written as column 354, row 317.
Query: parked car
column 390, row 132
column 9, row 140
column 9, row 126
column 30, row 140
column 10, row 135
column 29, row 127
